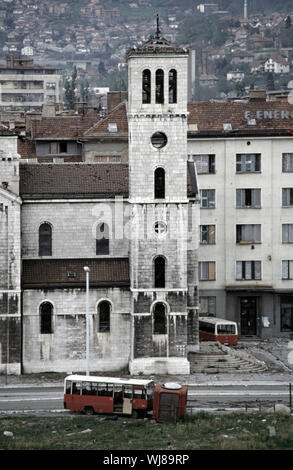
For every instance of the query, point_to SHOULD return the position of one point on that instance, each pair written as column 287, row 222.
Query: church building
column 134, row 225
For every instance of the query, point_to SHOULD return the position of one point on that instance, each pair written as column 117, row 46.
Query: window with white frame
column 248, row 270
column 207, row 270
column 287, row 162
column 248, row 197
column 287, row 233
column 287, row 197
column 247, row 162
column 207, row 198
column 287, row 269
column 248, row 233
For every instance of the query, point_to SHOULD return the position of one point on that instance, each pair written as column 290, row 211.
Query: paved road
column 200, row 396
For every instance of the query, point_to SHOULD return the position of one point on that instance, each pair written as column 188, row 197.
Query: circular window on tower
column 160, row 229
column 159, row 140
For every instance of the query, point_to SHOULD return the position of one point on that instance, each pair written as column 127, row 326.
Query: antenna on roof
column 158, row 27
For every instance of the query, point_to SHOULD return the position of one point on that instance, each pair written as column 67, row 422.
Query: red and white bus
column 108, row 395
column 217, row 329
column 125, row 396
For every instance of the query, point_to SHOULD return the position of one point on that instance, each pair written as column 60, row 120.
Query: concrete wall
column 74, row 227
column 10, row 295
column 225, row 216
column 65, row 349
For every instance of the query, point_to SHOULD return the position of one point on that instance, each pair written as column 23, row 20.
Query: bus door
column 127, row 399
column 118, row 398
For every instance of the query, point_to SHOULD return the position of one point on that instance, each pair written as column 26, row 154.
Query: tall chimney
column 245, row 9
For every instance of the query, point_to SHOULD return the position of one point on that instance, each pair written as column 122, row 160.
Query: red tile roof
column 74, row 180
column 54, row 273
column 269, row 115
column 66, row 127
column 117, row 116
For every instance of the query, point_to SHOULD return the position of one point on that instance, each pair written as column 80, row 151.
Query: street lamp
column 87, row 272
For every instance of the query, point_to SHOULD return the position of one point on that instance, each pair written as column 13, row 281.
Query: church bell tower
column 162, row 256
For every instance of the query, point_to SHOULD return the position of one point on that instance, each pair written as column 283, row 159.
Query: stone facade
column 50, row 217
column 10, row 290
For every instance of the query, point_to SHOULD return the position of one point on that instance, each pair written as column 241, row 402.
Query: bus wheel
column 89, row 410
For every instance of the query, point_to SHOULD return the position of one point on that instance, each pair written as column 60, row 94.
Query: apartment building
column 244, row 157
column 26, row 86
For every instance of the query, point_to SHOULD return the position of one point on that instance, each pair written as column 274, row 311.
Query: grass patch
column 238, row 431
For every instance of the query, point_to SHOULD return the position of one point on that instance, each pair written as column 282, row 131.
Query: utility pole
column 87, row 272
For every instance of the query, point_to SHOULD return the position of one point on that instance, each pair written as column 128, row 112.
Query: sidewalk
column 273, row 352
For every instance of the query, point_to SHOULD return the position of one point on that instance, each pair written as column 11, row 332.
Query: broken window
column 207, row 306
column 102, row 239
column 287, row 197
column 287, row 269
column 160, row 86
column 146, row 86
column 159, row 183
column 248, row 270
column 46, row 318
column 159, row 140
column 286, row 312
column 247, row 162
column 207, row 270
column 173, row 86
column 207, row 198
column 45, row 240
column 248, row 233
column 207, row 234
column 63, row 147
column 205, row 163
column 104, row 310
column 287, row 233
column 160, row 321
column 287, row 162
column 160, row 274
column 247, row 198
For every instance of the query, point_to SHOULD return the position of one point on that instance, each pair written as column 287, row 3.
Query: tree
column 70, row 85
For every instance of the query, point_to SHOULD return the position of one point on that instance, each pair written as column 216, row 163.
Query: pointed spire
column 158, row 32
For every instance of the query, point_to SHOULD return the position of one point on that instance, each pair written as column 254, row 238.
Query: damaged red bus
column 125, row 396
column 108, row 395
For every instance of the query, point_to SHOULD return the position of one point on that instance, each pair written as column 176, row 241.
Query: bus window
column 102, row 389
column 76, row 387
column 94, row 388
column 110, row 390
column 207, row 327
column 127, row 391
column 226, row 329
column 86, row 388
column 139, row 392
column 68, row 387
column 150, row 391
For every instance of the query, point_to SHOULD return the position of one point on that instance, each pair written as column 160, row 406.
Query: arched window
column 102, row 239
column 160, row 86
column 45, row 240
column 46, row 318
column 159, row 183
column 104, row 309
column 160, row 320
column 173, row 86
column 146, row 86
column 160, row 271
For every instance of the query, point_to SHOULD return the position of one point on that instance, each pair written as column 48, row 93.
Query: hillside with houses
column 233, row 47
